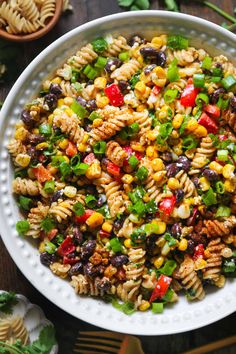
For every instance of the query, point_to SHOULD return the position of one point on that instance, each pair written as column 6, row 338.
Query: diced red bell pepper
column 208, row 123
column 42, row 174
column 156, row 90
column 113, row 169
column 71, row 149
column 129, row 151
column 212, row 110
column 67, row 260
column 89, row 159
column 51, row 234
column 161, row 287
column 198, row 251
column 42, row 158
column 85, row 216
column 194, row 216
column 222, row 137
column 104, row 234
column 189, row 95
column 167, row 205
column 114, row 94
column 66, row 247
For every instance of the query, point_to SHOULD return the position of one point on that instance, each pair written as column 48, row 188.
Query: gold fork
column 107, row 343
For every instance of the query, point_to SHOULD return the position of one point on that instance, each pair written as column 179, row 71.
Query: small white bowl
column 181, row 317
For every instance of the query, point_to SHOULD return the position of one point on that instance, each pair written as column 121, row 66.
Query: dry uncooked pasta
column 125, row 169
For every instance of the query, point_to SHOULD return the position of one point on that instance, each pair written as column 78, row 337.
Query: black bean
column 50, row 100
column 36, row 139
column 57, row 195
column 151, row 243
column 81, row 101
column 47, row 259
column 152, row 53
column 172, row 169
column 55, row 89
column 149, row 69
column 211, row 175
column 78, row 236
column 183, row 163
column 27, row 119
column 190, row 248
column 198, row 238
column 112, row 64
column 76, row 269
column 119, row 260
column 232, row 103
column 167, row 157
column 124, row 86
column 135, row 39
column 91, row 105
column 87, row 249
column 93, row 271
column 117, row 225
column 216, row 95
column 33, row 153
column 87, row 125
column 179, row 193
column 90, row 189
column 196, row 182
column 176, row 230
column 101, row 200
column 103, row 284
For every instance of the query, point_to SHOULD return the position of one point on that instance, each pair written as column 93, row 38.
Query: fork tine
column 112, row 343
column 105, row 334
column 105, row 350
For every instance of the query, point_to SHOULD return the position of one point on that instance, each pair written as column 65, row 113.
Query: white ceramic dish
column 181, row 317
column 33, row 317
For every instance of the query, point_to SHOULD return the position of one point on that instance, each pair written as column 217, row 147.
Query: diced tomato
column 42, row 174
column 156, row 90
column 198, row 251
column 89, row 159
column 113, row 169
column 189, row 95
column 139, row 155
column 67, row 260
column 51, row 234
column 167, row 205
column 71, row 149
column 104, row 234
column 222, row 137
column 212, row 110
column 85, row 216
column 66, row 247
column 161, row 288
column 114, row 94
column 208, row 123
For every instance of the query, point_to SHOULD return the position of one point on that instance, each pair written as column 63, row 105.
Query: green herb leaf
column 7, row 301
column 209, row 198
column 171, row 5
column 134, row 79
column 223, row 211
column 142, row 4
column 46, row 340
column 47, row 224
column 78, row 209
column 125, row 3
column 99, row 45
column 177, row 42
column 90, row 201
column 142, row 173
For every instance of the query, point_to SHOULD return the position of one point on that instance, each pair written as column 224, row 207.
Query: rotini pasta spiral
column 35, row 217
column 115, row 199
column 70, row 126
column 204, row 152
column 26, row 186
column 186, row 184
column 215, row 228
column 212, row 271
column 230, row 118
column 126, row 70
column 118, row 45
column 135, row 268
column 115, row 153
column 84, row 56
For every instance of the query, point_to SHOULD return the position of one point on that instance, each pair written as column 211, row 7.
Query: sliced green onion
column 99, row 45
column 170, row 239
column 75, row 160
column 133, row 161
column 151, row 207
column 157, row 307
column 79, row 110
column 229, row 266
column 165, row 130
column 58, row 239
column 94, row 115
column 170, row 95
column 124, row 56
column 137, row 194
column 177, row 42
column 78, row 209
column 77, row 86
column 217, row 72
column 199, row 80
column 223, row 211
column 139, row 208
column 100, row 63
column 22, row 227
column 50, row 247
column 142, row 173
column 75, row 76
column 138, row 236
column 133, row 129
column 222, row 155
column 173, row 71
column 168, row 267
column 220, row 188
column 49, row 187
column 228, row 82
column 115, row 245
column 216, row 79
column 207, row 62
column 168, row 296
column 99, row 147
column 90, row 72
column 25, row 203
column 128, row 308
column 80, row 169
column 45, row 129
column 202, row 98
column 209, row 198
column 91, row 201
column 104, row 210
column 64, row 169
column 57, row 160
column 190, row 142
column 222, row 104
column 134, row 79
column 151, row 228
column 47, row 224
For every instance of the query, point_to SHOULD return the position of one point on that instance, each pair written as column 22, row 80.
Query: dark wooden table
column 11, row 278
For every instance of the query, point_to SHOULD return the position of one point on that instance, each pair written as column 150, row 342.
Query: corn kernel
column 140, row 87
column 60, row 102
column 200, row 263
column 173, row 183
column 127, row 179
column 200, row 132
column 177, row 121
column 152, row 135
column 94, row 171
column 95, row 220
column 151, row 152
column 127, row 243
column 23, row 160
column 220, row 283
column 229, row 186
column 52, row 170
column 63, row 143
column 46, row 85
column 137, row 147
column 35, row 131
column 140, row 108
column 85, row 138
column 69, row 112
column 204, row 184
column 228, row 171
column 158, row 262
column 66, row 159
column 97, row 122
column 100, row 82
column 102, row 101
column 68, row 101
column 50, row 119
column 106, row 227
column 70, row 191
column 161, row 147
column 159, row 176
column 41, row 146
column 157, row 165
column 42, row 247
column 21, row 133
column 56, row 80
column 144, row 306
column 215, row 166
column 192, row 125
column 183, row 244
column 161, row 226
column 82, row 147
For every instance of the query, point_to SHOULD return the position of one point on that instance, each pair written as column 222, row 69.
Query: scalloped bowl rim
column 183, row 316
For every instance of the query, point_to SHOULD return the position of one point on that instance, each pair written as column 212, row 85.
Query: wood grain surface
column 11, row 278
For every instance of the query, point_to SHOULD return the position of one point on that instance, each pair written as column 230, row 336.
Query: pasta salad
column 125, row 171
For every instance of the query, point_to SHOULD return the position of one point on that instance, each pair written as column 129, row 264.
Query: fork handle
column 213, row 346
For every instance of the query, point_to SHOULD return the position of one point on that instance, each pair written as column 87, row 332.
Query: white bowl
column 181, row 317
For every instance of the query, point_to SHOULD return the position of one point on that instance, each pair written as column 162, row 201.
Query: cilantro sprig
column 7, row 301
